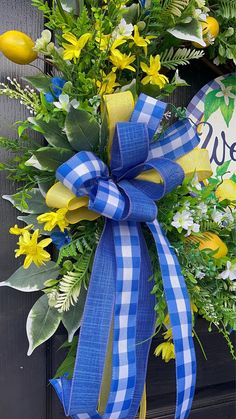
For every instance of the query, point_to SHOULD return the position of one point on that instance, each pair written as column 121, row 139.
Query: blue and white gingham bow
column 120, row 284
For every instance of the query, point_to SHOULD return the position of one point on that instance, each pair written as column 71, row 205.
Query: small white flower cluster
column 229, row 272
column 183, row 220
column 224, row 218
column 44, row 44
column 26, row 95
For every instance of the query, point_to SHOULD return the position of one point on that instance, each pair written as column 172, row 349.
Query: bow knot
column 122, row 195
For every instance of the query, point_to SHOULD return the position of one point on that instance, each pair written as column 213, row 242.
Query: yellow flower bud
column 17, row 47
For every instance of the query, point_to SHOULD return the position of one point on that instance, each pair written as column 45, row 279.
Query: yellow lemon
column 227, row 190
column 17, row 47
column 211, row 27
column 209, row 240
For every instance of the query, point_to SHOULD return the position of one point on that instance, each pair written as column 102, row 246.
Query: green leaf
column 52, row 133
column 72, row 318
column 227, row 111
column 40, row 82
column 82, row 130
column 51, row 158
column 222, row 170
column 33, row 278
column 191, row 31
column 67, row 366
column 212, row 103
column 32, row 219
column 35, row 202
column 42, row 323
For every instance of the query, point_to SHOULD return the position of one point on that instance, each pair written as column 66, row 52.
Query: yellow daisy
column 153, row 75
column 34, row 250
column 53, row 219
column 75, row 46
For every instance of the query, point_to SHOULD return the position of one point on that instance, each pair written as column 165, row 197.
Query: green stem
column 61, row 10
column 200, row 343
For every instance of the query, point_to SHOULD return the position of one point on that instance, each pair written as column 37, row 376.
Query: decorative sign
column 214, row 108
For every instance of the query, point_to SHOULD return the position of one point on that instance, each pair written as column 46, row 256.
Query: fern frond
column 174, row 7
column 227, row 9
column 70, row 284
column 172, row 59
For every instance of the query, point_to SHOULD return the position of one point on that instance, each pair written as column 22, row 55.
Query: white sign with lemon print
column 214, row 108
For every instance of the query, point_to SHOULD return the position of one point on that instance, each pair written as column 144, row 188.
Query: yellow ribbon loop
column 59, row 196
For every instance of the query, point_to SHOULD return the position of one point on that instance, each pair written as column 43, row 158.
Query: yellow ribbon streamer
column 118, row 107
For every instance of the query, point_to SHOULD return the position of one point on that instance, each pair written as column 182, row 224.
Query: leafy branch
column 171, row 59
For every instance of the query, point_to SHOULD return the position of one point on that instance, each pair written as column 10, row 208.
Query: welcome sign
column 214, row 109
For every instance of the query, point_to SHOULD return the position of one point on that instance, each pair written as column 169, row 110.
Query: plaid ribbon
column 126, row 201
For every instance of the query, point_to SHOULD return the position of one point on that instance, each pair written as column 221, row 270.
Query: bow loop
column 130, row 147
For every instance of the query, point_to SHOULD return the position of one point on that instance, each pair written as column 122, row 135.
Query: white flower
column 123, row 29
column 195, row 183
column 194, row 228
column 200, row 274
column 44, row 43
column 202, row 207
column 217, row 216
column 64, row 103
column 230, row 272
column 182, row 219
column 225, row 93
column 199, row 15
column 216, row 61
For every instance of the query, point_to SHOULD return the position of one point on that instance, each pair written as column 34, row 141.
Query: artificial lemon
column 226, row 190
column 17, row 47
column 210, row 27
column 209, row 240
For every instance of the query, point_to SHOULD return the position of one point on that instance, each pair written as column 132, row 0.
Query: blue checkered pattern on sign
column 149, row 111
column 127, row 250
column 178, row 140
column 179, row 310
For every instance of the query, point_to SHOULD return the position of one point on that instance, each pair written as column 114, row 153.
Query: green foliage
column 70, row 284
column 174, row 7
column 226, row 9
column 82, row 130
column 171, row 59
column 67, row 366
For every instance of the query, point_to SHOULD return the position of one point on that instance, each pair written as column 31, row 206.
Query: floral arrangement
column 99, row 49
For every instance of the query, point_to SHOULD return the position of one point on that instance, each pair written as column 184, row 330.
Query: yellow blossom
column 18, row 231
column 53, row 219
column 153, row 75
column 140, row 41
column 104, row 41
column 167, row 350
column 75, row 46
column 121, row 61
column 108, row 83
column 34, row 250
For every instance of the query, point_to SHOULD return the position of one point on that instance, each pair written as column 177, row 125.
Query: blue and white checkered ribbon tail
column 179, row 310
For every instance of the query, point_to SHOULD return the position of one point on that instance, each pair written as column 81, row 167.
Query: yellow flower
column 53, row 219
column 121, row 61
column 34, row 251
column 103, row 41
column 140, row 41
column 75, row 46
column 108, row 83
column 167, row 350
column 18, row 231
column 153, row 75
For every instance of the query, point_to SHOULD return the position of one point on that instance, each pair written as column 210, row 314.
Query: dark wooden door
column 24, row 389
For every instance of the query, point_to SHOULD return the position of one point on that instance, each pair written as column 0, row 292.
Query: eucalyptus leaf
column 82, row 130
column 33, row 278
column 51, row 158
column 191, row 31
column 35, row 201
column 40, row 82
column 53, row 133
column 32, row 219
column 42, row 323
column 72, row 318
